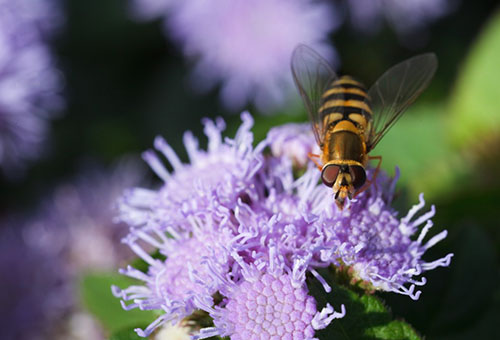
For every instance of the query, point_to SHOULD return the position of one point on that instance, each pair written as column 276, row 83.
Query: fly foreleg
column 312, row 157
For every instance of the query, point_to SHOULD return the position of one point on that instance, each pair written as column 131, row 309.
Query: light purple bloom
column 79, row 213
column 33, row 293
column 29, row 83
column 268, row 300
column 378, row 246
column 223, row 173
column 294, row 141
column 163, row 290
column 71, row 232
column 232, row 234
column 245, row 45
column 406, row 16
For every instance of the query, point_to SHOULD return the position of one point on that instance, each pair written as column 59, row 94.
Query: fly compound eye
column 329, row 174
column 358, row 176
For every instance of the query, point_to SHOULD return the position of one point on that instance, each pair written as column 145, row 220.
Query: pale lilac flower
column 79, row 213
column 34, row 293
column 245, row 45
column 378, row 246
column 71, row 232
column 79, row 325
column 29, row 82
column 170, row 284
column 405, row 16
column 270, row 228
column 225, row 172
column 294, row 141
column 367, row 235
column 268, row 300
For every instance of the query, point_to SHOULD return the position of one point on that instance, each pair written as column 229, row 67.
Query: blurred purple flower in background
column 29, row 82
column 405, row 16
column 238, row 220
column 245, row 45
column 72, row 232
column 34, row 293
column 81, row 213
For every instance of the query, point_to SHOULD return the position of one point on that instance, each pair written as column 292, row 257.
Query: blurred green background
column 126, row 83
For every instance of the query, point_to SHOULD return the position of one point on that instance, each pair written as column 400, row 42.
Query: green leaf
column 139, row 264
column 474, row 101
column 366, row 315
column 95, row 291
column 125, row 334
column 417, row 144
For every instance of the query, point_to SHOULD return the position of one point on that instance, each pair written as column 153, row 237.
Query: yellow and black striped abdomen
column 345, row 107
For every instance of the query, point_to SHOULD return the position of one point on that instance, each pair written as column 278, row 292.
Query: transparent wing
column 312, row 75
column 396, row 90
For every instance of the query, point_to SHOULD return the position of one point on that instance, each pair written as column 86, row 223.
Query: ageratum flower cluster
column 245, row 46
column 43, row 254
column 30, row 85
column 239, row 233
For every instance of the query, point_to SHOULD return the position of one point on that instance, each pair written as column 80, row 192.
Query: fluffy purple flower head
column 294, row 141
column 71, row 232
column 173, row 284
column 29, row 83
column 34, row 293
column 80, row 213
column 268, row 300
column 240, row 240
column 375, row 244
column 245, row 45
column 224, row 173
column 367, row 237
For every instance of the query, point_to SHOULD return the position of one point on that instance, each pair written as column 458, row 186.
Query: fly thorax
column 345, row 145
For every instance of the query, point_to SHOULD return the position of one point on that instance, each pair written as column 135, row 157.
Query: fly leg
column 377, row 169
column 312, row 157
column 369, row 182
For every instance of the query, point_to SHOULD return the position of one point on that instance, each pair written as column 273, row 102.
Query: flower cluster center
column 270, row 308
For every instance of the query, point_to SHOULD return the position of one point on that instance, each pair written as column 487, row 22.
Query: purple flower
column 224, row 173
column 29, row 83
column 242, row 235
column 246, row 45
column 377, row 246
column 34, row 293
column 294, row 141
column 406, row 16
column 71, row 232
column 79, row 213
column 163, row 290
column 268, row 300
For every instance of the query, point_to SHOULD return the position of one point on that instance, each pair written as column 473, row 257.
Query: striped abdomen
column 347, row 117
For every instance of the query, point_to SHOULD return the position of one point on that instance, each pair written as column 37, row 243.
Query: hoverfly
column 348, row 121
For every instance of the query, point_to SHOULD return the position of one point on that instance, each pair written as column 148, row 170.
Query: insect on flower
column 347, row 120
